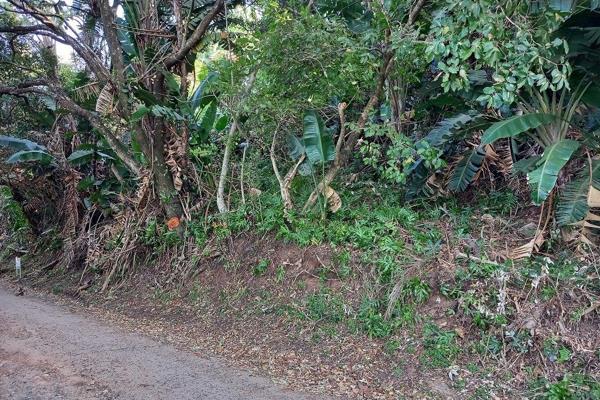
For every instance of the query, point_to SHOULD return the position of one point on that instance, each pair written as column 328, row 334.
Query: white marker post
column 18, row 267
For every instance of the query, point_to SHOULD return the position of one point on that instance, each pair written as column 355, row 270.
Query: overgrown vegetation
column 432, row 166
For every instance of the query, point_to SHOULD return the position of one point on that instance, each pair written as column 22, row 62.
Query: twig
column 470, row 257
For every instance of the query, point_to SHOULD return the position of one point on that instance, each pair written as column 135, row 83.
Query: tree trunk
column 230, row 135
column 284, row 183
column 163, row 180
column 225, row 168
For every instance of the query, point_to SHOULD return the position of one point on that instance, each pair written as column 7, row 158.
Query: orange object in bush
column 173, row 223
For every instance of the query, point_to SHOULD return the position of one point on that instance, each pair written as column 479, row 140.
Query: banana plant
column 316, row 143
column 445, row 135
column 546, row 120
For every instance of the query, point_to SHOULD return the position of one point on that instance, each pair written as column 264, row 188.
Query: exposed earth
column 50, row 352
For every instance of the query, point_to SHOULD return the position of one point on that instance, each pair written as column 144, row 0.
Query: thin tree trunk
column 225, row 168
column 242, row 174
column 284, row 183
column 116, row 54
column 162, row 176
column 222, row 207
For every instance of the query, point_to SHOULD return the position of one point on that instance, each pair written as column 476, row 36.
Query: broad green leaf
column 305, row 169
column 139, row 113
column 317, row 141
column 446, row 128
column 171, row 81
column 525, row 165
column 595, row 174
column 516, row 125
column 591, row 97
column 207, row 120
column 196, row 98
column 31, row 155
column 20, row 144
column 295, row 147
column 466, row 169
column 543, row 179
column 49, row 102
column 561, row 5
column 145, row 96
column 167, row 112
column 221, row 123
column 79, row 157
column 125, row 39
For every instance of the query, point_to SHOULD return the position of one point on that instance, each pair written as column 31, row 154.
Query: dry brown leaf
column 594, row 198
column 177, row 182
column 254, row 192
column 105, row 101
column 333, row 199
column 490, row 153
column 528, row 248
column 505, row 160
column 173, row 223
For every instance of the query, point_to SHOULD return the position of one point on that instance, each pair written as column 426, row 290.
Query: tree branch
column 196, row 36
column 23, row 30
column 37, row 86
column 414, row 12
column 116, row 53
column 57, row 33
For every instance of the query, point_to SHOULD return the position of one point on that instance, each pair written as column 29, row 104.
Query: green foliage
column 27, row 151
column 85, row 156
column 261, row 267
column 472, row 35
column 501, row 202
column 515, row 126
column 543, row 178
column 15, row 217
column 318, row 142
column 19, row 143
column 372, row 321
column 329, row 62
column 416, row 290
column 440, row 346
column 325, row 307
column 570, row 387
column 40, row 156
column 158, row 236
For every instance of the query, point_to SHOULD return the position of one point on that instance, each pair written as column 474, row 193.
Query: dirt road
column 48, row 352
